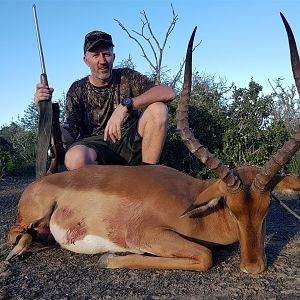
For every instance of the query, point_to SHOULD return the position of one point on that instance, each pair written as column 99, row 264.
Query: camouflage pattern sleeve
column 139, row 83
column 73, row 113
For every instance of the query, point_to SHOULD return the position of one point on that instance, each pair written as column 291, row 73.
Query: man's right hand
column 42, row 93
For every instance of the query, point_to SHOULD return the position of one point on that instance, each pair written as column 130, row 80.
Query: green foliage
column 30, row 119
column 252, row 136
column 18, row 142
column 126, row 63
column 17, row 150
column 207, row 118
column 5, row 155
column 294, row 166
column 235, row 124
column 286, row 104
column 238, row 125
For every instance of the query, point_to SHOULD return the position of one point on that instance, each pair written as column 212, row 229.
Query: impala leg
column 30, row 223
column 171, row 252
column 22, row 245
column 22, row 239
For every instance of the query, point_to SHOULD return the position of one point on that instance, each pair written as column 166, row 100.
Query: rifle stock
column 57, row 150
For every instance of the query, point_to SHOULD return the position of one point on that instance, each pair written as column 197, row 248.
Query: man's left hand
column 113, row 126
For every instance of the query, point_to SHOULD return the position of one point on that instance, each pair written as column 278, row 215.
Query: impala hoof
column 104, row 259
column 21, row 247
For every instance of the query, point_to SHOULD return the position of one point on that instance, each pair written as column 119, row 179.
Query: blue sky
column 240, row 39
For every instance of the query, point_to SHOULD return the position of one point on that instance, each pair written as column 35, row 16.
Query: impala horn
column 283, row 155
column 232, row 181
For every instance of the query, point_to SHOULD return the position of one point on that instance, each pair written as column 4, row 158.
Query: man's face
column 100, row 60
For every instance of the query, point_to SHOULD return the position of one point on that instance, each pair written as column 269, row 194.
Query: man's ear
column 85, row 60
column 114, row 56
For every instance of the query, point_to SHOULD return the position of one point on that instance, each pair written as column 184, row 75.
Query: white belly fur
column 90, row 244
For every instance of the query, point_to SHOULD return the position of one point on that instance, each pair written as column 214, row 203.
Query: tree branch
column 156, row 66
column 137, row 41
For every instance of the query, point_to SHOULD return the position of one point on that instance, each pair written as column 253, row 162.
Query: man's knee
column 79, row 156
column 154, row 119
column 158, row 113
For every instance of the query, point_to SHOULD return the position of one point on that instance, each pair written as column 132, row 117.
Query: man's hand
column 113, row 126
column 42, row 93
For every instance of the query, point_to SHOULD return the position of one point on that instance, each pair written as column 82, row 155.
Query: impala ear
column 286, row 184
column 209, row 198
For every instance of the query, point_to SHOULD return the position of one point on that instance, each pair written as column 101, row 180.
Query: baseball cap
column 95, row 37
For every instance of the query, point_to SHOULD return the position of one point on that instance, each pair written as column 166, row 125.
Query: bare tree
column 286, row 104
column 146, row 35
column 126, row 63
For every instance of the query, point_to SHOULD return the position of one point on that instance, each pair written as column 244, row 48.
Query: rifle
column 56, row 149
column 49, row 133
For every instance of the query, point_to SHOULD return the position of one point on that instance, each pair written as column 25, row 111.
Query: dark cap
column 95, row 37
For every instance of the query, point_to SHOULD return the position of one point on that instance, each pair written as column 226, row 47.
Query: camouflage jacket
column 88, row 108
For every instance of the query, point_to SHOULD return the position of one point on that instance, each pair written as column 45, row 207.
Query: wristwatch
column 128, row 103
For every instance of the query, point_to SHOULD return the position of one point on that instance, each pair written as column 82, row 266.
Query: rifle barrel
column 38, row 39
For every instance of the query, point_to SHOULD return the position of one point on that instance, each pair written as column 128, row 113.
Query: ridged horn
column 293, row 53
column 209, row 160
column 293, row 144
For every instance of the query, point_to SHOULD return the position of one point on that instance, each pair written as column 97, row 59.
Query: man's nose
column 102, row 59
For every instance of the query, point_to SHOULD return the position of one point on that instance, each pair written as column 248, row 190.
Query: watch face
column 126, row 101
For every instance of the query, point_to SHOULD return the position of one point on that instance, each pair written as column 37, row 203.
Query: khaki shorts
column 126, row 151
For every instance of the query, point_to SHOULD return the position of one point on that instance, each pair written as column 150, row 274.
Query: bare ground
column 59, row 274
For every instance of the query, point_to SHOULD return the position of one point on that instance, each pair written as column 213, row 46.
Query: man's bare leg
column 152, row 128
column 79, row 156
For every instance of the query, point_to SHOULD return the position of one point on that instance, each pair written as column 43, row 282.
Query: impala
column 163, row 218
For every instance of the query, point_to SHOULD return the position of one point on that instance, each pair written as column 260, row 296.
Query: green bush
column 17, row 150
column 242, row 132
column 236, row 125
column 294, row 165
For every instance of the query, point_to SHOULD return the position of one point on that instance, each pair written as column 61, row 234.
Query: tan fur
column 138, row 209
